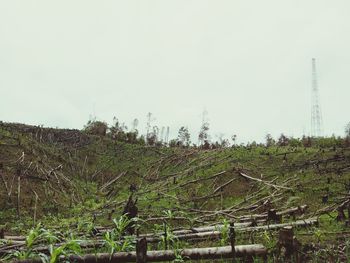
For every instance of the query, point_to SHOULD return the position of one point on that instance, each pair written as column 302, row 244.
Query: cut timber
column 201, row 179
column 217, row 234
column 199, row 229
column 180, row 231
column 168, row 255
column 15, row 238
column 299, row 210
column 106, row 185
column 305, row 222
column 264, row 182
column 210, row 232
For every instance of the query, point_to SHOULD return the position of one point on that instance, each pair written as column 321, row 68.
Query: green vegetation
column 68, row 185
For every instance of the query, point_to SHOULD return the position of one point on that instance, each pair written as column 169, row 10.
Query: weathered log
column 212, row 235
column 200, row 229
column 106, row 185
column 14, row 238
column 291, row 211
column 264, row 182
column 168, row 255
column 201, row 179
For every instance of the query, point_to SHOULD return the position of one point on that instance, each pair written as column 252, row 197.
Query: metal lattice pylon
column 316, row 114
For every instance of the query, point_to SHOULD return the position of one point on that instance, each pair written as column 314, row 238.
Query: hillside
column 74, row 182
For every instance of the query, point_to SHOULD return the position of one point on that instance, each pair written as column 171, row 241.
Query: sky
column 247, row 63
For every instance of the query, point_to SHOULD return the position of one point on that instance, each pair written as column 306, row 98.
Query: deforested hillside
column 94, row 196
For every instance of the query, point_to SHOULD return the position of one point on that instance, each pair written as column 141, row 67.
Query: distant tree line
column 160, row 137
column 308, row 141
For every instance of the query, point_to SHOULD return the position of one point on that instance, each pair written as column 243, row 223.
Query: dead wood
column 264, row 182
column 201, row 179
column 106, row 185
column 168, row 255
column 215, row 234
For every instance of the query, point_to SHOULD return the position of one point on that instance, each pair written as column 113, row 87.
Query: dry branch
column 111, row 181
column 201, row 179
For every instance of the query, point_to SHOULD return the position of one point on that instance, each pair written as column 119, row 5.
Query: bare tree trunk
column 35, row 207
column 168, row 255
column 18, row 196
column 217, row 234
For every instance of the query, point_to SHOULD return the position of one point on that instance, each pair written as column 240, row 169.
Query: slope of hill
column 76, row 182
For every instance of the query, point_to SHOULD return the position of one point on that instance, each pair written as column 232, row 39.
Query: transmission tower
column 316, row 114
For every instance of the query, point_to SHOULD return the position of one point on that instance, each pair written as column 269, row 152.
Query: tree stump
column 2, row 233
column 341, row 215
column 141, row 250
column 289, row 243
column 324, row 199
column 233, row 241
column 273, row 217
column 130, row 210
column 348, row 214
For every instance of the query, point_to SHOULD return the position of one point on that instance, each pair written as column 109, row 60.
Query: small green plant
column 62, row 252
column 115, row 240
column 269, row 241
column 169, row 214
column 114, row 244
column 168, row 239
column 49, row 237
column 225, row 232
column 122, row 224
column 319, row 235
column 178, row 256
column 35, row 236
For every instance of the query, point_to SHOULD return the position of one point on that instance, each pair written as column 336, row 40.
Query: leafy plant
column 178, row 256
column 225, row 232
column 34, row 236
column 169, row 214
column 319, row 235
column 269, row 240
column 63, row 251
column 115, row 244
column 121, row 225
column 49, row 236
column 115, row 241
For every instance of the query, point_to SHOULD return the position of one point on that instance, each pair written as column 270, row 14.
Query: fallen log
column 15, row 238
column 211, row 232
column 102, row 230
column 200, row 179
column 198, row 229
column 291, row 211
column 106, row 185
column 215, row 234
column 168, row 255
column 264, row 182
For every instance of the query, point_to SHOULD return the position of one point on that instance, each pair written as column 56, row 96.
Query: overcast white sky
column 247, row 62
